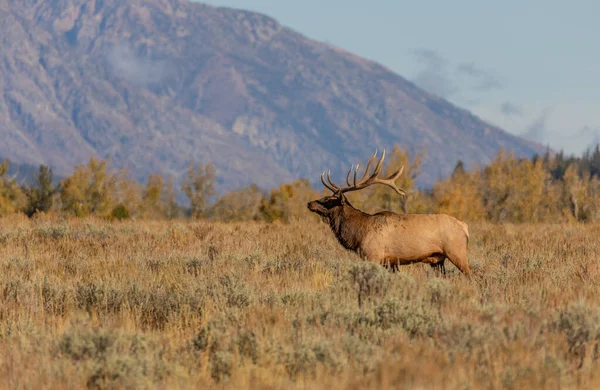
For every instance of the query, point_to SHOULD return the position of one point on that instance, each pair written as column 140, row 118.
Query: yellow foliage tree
column 460, row 196
column 89, row 190
column 198, row 186
column 238, row 205
column 158, row 198
column 579, row 195
column 11, row 198
column 517, row 190
column 288, row 202
column 592, row 205
column 127, row 196
column 172, row 208
column 152, row 205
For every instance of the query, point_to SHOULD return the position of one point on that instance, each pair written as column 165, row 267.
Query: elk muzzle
column 315, row 207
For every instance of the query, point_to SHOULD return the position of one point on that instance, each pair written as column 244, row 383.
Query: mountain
column 157, row 84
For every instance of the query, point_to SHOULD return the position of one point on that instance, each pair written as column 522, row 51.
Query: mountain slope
column 156, row 84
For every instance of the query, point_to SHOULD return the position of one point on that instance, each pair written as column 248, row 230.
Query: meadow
column 195, row 304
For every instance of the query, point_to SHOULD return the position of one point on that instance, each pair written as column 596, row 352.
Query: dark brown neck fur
column 349, row 225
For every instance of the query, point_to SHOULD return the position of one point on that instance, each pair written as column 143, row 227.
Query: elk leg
column 439, row 266
column 459, row 259
column 390, row 265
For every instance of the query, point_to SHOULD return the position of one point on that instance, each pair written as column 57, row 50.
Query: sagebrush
column 179, row 304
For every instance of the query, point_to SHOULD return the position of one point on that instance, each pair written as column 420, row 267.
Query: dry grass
column 189, row 305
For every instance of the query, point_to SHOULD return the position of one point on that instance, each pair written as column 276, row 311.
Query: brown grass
column 190, row 305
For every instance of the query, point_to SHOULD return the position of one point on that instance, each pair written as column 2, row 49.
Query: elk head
column 328, row 205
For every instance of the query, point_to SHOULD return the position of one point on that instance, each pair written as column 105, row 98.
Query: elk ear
column 342, row 199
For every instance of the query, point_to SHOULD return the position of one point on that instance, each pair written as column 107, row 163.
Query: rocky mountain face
column 157, row 84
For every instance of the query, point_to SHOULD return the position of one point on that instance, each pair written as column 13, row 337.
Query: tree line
column 548, row 188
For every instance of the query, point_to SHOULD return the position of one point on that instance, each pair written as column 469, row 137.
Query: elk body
column 389, row 238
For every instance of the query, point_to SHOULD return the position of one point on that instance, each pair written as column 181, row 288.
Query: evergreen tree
column 595, row 162
column 40, row 192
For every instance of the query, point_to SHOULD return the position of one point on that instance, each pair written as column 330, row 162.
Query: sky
column 530, row 67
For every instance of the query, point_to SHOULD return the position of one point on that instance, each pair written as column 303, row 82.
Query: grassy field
column 87, row 303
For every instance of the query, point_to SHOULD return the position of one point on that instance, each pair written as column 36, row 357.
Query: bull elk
column 389, row 238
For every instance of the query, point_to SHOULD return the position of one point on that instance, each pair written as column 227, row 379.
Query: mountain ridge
column 157, row 84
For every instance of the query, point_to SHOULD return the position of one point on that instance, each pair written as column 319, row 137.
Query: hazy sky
column 531, row 67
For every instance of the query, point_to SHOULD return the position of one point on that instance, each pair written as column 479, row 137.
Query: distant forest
column 552, row 187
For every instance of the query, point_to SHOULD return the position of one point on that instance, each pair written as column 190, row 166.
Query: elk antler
column 332, row 187
column 366, row 180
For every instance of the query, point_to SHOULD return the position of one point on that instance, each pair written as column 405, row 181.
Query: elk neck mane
column 349, row 225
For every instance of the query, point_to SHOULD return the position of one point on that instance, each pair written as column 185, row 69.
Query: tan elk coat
column 389, row 238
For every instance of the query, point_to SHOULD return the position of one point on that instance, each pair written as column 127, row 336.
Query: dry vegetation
column 252, row 305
